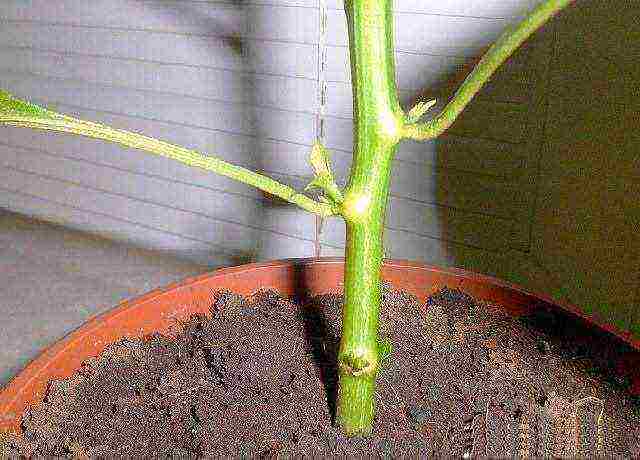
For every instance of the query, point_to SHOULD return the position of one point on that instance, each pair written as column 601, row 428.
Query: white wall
column 222, row 78
column 236, row 79
column 241, row 80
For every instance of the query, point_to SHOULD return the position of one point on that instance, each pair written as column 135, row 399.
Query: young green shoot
column 380, row 125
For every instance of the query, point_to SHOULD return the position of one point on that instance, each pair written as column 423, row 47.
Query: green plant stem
column 379, row 125
column 38, row 118
column 378, row 121
column 358, row 357
column 499, row 52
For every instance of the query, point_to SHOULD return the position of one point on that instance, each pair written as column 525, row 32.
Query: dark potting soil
column 258, row 378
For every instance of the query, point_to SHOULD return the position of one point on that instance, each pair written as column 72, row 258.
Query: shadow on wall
column 537, row 182
column 267, row 92
column 484, row 166
column 531, row 184
column 475, row 180
column 225, row 33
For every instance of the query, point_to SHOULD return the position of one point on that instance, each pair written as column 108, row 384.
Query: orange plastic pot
column 159, row 310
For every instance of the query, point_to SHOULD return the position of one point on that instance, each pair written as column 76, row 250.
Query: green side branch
column 15, row 112
column 499, row 52
column 323, row 180
column 379, row 125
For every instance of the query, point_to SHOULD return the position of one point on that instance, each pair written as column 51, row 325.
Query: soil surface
column 257, row 378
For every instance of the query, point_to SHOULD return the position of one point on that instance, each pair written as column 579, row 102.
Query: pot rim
column 14, row 389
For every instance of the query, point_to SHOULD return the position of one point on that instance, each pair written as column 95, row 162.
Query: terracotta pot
column 158, row 311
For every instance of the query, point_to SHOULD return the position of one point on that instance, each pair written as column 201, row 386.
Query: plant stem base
column 356, row 404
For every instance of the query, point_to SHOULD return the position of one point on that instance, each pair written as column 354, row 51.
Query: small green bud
column 320, row 160
column 419, row 110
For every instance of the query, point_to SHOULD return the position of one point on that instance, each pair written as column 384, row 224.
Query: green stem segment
column 14, row 112
column 358, row 357
column 499, row 52
column 378, row 121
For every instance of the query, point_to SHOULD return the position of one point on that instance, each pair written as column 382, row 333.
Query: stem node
column 357, row 364
column 356, row 207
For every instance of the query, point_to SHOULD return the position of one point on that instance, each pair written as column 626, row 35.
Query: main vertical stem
column 378, row 121
column 358, row 356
